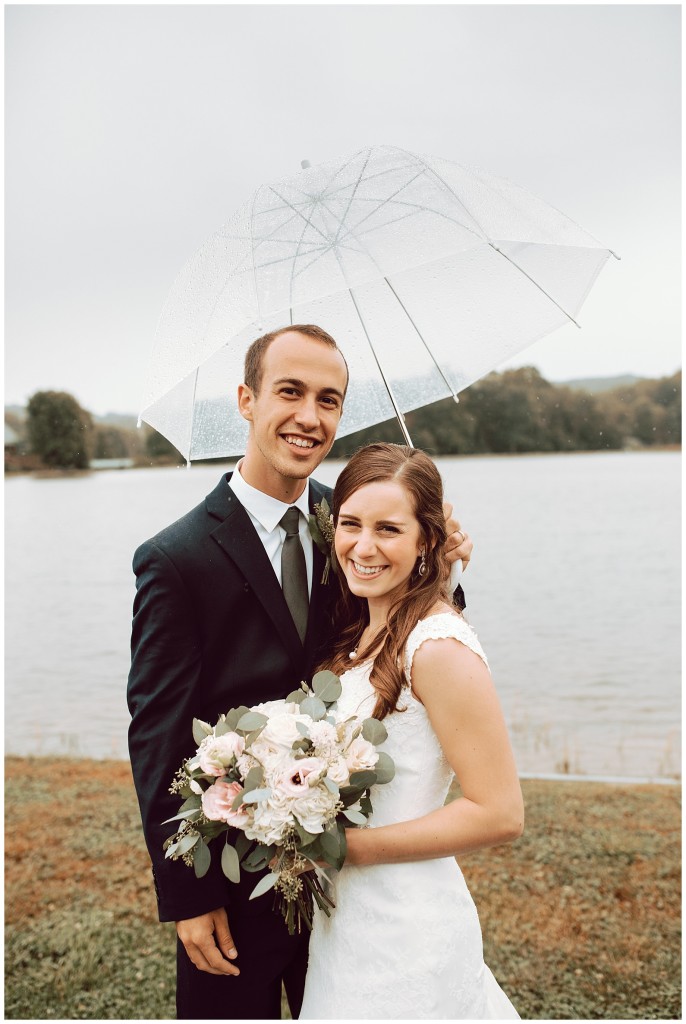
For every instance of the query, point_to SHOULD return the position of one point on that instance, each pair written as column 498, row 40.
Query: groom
column 213, row 629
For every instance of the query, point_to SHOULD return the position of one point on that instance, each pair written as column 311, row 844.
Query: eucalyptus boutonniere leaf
column 322, row 533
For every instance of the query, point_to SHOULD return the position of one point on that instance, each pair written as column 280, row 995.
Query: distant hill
column 596, row 384
column 125, row 420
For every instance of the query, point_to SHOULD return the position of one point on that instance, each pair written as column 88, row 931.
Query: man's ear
column 246, row 399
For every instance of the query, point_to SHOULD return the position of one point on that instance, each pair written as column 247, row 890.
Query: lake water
column 574, row 590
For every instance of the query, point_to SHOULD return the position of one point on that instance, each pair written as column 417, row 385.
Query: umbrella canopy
column 428, row 275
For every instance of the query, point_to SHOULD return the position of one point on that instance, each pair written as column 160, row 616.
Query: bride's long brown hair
column 415, row 471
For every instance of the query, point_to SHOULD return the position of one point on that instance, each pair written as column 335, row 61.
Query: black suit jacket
column 211, row 631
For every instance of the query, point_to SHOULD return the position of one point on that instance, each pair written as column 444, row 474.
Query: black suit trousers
column 266, row 955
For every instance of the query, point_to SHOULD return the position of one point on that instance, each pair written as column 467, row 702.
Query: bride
column 404, row 940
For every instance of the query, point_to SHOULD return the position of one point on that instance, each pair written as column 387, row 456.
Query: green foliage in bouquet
column 289, row 811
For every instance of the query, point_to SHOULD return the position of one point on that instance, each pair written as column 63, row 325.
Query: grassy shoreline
column 581, row 917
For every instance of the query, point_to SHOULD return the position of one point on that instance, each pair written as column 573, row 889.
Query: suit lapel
column 236, row 536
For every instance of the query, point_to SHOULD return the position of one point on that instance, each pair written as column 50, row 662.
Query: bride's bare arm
column 458, row 693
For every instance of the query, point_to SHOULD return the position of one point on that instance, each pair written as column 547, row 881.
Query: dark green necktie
column 294, row 572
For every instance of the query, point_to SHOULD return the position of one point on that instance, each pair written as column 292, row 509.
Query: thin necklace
column 353, row 654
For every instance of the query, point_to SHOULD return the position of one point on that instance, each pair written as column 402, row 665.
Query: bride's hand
column 458, row 543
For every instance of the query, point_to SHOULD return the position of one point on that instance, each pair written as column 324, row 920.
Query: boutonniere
column 322, row 533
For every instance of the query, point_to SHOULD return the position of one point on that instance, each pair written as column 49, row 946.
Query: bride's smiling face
column 378, row 540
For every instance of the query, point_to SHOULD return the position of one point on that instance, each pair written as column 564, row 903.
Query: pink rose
column 297, row 776
column 217, row 801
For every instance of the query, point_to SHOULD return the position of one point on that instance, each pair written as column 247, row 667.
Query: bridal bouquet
column 290, row 775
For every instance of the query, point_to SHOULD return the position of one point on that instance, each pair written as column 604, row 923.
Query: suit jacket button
column 246, row 587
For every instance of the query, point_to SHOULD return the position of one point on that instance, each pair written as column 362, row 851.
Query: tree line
column 520, row 411
column 58, row 433
column 513, row 411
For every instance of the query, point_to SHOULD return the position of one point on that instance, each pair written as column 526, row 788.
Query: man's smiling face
column 294, row 416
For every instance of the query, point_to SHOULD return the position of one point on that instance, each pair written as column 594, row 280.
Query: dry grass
column 581, row 917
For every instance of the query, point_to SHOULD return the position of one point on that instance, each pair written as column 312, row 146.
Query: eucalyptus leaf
column 237, row 800
column 234, row 715
column 363, row 780
column 302, row 729
column 331, row 785
column 171, row 850
column 264, row 885
column 355, row 816
column 201, row 860
column 254, row 778
column 211, row 829
column 326, row 686
column 259, row 854
column 385, row 768
column 230, row 863
column 316, row 533
column 366, row 805
column 374, row 731
column 190, row 815
column 221, row 728
column 314, row 707
column 200, row 730
column 252, row 736
column 193, row 801
column 186, row 844
column 302, row 745
column 331, row 846
column 349, row 795
column 243, row 845
column 252, row 720
column 344, row 842
column 295, row 697
column 305, row 837
column 256, row 795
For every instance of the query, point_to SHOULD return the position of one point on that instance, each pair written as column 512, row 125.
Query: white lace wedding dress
column 404, row 941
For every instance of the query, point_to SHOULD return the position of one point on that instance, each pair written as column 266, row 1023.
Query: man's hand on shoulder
column 208, row 942
column 458, row 543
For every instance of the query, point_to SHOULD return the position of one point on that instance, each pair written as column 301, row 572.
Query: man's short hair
column 252, row 374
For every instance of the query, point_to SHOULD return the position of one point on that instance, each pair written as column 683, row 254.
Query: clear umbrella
column 428, row 275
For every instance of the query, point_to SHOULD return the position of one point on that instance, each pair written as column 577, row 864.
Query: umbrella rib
column 398, row 413
column 351, row 197
column 454, row 194
column 252, row 251
column 192, row 424
column 534, row 282
column 299, row 214
column 383, row 202
column 296, row 256
column 423, row 341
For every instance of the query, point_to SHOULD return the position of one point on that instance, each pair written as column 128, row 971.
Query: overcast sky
column 133, row 132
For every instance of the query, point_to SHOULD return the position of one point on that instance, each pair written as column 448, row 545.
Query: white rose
column 216, row 753
column 282, row 729
column 338, row 771
column 271, row 707
column 360, row 755
column 314, row 808
column 268, row 754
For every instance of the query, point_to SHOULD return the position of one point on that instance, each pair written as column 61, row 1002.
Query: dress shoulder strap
column 440, row 627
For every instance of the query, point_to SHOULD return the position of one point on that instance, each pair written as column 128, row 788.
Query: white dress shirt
column 265, row 514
